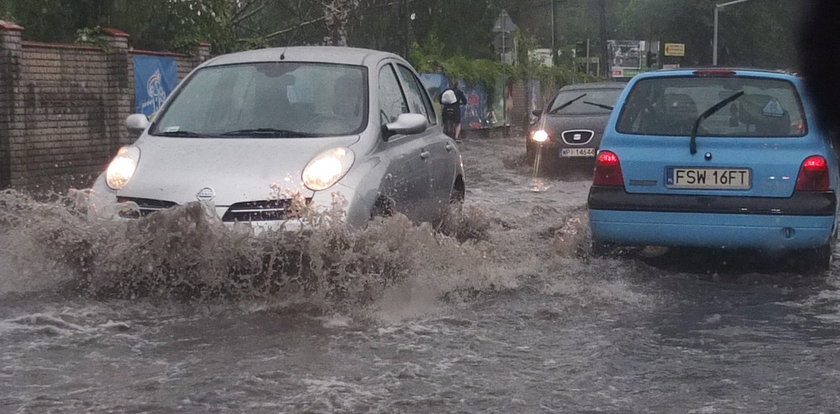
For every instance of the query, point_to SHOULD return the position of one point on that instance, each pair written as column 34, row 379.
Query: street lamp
column 718, row 8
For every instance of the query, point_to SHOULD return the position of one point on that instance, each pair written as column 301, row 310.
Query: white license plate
column 577, row 152
column 709, row 178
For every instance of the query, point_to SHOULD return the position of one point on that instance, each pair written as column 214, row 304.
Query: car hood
column 233, row 169
column 556, row 124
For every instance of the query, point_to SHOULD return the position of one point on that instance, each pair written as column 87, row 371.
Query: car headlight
column 540, row 136
column 122, row 167
column 327, row 168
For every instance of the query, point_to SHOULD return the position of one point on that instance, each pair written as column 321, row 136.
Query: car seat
column 676, row 114
column 347, row 95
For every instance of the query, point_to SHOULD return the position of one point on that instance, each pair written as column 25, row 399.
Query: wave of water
column 187, row 253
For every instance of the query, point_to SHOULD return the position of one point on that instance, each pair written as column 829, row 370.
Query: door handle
column 425, row 154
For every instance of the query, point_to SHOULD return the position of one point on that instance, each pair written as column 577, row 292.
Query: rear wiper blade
column 599, row 105
column 565, row 104
column 267, row 132
column 692, row 144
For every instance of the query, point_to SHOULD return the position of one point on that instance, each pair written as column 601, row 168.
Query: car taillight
column 608, row 170
column 813, row 174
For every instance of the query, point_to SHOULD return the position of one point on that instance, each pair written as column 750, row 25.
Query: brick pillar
column 520, row 113
column 202, row 53
column 11, row 111
column 118, row 102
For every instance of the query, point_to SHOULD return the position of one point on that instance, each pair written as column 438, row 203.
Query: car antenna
column 283, row 55
column 692, row 145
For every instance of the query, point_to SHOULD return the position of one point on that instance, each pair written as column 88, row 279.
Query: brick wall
column 520, row 114
column 62, row 107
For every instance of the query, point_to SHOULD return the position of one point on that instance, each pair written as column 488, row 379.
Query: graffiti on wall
column 154, row 79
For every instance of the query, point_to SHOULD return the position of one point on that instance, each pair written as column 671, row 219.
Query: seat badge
column 577, row 137
column 206, row 194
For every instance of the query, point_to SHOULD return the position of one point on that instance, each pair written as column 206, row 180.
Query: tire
column 816, row 260
column 600, row 249
column 819, row 259
column 383, row 207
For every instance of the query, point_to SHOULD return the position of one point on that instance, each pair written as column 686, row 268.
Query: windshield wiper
column 565, row 104
column 267, row 132
column 180, row 133
column 599, row 105
column 692, row 144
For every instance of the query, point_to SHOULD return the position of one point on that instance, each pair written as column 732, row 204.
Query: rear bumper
column 799, row 204
column 803, row 221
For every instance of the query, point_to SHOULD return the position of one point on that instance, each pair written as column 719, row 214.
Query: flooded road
column 510, row 314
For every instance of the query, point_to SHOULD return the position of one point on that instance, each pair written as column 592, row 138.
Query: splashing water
column 187, row 253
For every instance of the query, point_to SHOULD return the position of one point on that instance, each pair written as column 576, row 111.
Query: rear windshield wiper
column 599, row 105
column 267, row 132
column 565, row 104
column 692, row 144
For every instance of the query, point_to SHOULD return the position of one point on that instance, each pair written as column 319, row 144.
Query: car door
column 440, row 161
column 406, row 186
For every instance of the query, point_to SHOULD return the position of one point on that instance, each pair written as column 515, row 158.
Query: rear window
column 584, row 102
column 671, row 105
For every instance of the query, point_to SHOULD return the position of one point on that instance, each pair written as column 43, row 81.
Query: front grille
column 145, row 206
column 263, row 210
column 577, row 136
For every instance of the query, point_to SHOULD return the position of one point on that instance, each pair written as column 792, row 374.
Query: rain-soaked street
column 176, row 313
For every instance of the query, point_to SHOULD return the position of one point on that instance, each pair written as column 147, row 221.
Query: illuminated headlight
column 540, row 136
column 122, row 167
column 327, row 168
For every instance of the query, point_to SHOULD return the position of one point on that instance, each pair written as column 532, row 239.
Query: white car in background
column 248, row 130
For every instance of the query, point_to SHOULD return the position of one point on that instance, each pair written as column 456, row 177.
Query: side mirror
column 537, row 112
column 406, row 124
column 137, row 123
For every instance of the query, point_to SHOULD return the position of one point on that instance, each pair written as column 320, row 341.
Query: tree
column 758, row 33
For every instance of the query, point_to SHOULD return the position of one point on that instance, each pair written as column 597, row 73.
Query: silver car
column 251, row 132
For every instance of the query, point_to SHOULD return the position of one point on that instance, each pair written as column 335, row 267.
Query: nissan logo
column 206, row 194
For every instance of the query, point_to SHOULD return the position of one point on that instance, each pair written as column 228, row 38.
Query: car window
column 584, row 102
column 391, row 100
column 671, row 105
column 277, row 99
column 418, row 99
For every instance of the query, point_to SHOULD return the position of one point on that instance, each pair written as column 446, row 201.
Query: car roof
column 594, row 85
column 327, row 54
column 775, row 74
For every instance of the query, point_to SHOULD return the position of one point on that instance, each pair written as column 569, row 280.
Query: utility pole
column 602, row 20
column 718, row 8
column 404, row 7
column 553, row 36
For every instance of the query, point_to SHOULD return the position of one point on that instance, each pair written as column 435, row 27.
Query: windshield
column 584, row 102
column 273, row 99
column 670, row 106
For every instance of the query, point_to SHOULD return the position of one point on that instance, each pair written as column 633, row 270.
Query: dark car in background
column 568, row 130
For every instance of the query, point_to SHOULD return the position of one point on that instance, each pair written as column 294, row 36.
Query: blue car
column 716, row 158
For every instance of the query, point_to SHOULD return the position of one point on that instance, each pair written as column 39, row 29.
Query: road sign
column 674, row 49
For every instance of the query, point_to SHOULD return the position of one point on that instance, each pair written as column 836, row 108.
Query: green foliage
column 91, row 36
column 754, row 33
column 430, row 57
